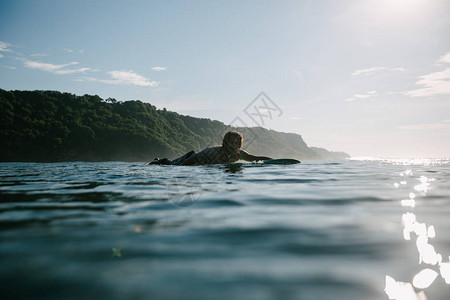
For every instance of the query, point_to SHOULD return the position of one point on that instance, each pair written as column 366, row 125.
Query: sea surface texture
column 356, row 229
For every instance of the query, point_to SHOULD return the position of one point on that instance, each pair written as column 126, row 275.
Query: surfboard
column 277, row 161
column 281, row 161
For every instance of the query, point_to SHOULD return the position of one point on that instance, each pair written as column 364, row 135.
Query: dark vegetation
column 53, row 126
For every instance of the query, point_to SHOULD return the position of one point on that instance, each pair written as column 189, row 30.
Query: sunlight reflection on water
column 398, row 290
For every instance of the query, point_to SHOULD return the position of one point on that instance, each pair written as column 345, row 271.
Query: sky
column 368, row 77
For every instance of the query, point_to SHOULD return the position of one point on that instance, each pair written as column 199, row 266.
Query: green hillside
column 53, row 126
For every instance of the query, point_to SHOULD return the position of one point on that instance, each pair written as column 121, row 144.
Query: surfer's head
column 232, row 142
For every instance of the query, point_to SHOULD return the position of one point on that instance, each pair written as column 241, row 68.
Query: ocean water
column 356, row 229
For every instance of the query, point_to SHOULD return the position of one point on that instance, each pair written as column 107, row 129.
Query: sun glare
column 402, row 4
column 394, row 13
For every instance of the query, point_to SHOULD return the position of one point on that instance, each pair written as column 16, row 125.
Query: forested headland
column 49, row 126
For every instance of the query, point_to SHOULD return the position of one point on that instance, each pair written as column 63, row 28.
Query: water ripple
column 309, row 231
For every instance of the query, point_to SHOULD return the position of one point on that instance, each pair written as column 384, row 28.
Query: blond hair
column 229, row 141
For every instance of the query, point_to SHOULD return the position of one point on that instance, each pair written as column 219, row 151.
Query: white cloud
column 362, row 96
column 55, row 69
column 126, row 78
column 38, row 54
column 294, row 118
column 370, row 71
column 131, row 78
column 1, row 56
column 445, row 58
column 73, row 51
column 437, row 83
column 159, row 69
column 4, row 47
column 440, row 125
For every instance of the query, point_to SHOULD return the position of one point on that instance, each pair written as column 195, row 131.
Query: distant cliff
column 324, row 154
column 54, row 126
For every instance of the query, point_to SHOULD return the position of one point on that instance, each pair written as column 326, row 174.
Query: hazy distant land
column 50, row 126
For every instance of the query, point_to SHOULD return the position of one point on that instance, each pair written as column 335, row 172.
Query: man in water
column 229, row 152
